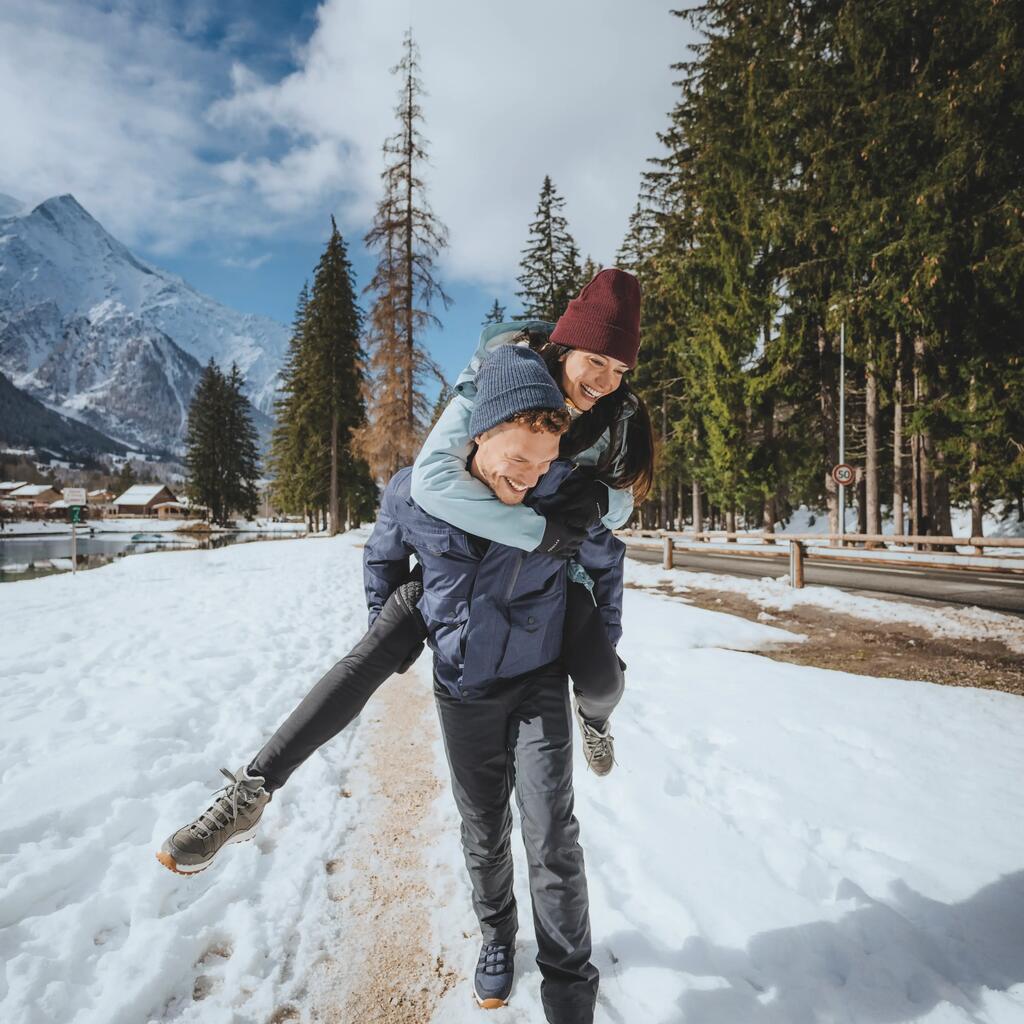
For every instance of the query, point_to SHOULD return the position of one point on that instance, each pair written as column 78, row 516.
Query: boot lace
column 494, row 959
column 597, row 743
column 237, row 795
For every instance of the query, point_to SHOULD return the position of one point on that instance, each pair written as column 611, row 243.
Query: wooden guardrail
column 835, row 539
column 798, row 544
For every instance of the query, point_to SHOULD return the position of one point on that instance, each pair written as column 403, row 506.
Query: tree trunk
column 861, row 485
column 730, row 520
column 942, row 520
column 977, row 511
column 335, row 502
column 922, row 465
column 768, row 514
column 698, row 511
column 897, row 441
column 828, row 424
column 663, row 482
column 873, row 517
column 409, row 269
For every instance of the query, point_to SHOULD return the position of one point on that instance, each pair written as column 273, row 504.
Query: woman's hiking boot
column 231, row 818
column 598, row 745
column 492, row 981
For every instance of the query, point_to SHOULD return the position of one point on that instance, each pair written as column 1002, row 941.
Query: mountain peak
column 63, row 208
column 9, row 206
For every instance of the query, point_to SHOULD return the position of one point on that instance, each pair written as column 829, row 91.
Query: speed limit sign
column 843, row 474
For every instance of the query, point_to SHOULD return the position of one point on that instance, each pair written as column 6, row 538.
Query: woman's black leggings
column 392, row 644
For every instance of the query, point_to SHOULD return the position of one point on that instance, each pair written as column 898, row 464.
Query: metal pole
column 74, row 547
column 796, row 564
column 842, row 426
column 666, row 553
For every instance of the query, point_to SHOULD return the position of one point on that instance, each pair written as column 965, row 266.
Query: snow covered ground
column 778, row 844
column 996, row 523
column 955, row 622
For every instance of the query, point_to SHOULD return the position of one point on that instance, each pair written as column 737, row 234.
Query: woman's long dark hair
column 636, row 472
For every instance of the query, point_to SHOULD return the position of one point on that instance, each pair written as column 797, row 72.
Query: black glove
column 561, row 539
column 410, row 658
column 583, row 501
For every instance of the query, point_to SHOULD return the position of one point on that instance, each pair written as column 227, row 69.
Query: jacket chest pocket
column 430, row 542
column 536, row 624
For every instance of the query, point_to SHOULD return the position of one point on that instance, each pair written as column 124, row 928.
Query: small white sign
column 74, row 496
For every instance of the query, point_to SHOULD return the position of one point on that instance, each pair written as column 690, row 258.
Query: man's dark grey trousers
column 518, row 736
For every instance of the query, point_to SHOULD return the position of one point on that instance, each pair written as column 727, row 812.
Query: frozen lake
column 24, row 558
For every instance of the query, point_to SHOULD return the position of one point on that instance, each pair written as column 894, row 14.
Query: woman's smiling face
column 587, row 377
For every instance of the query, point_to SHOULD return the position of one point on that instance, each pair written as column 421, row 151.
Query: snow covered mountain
column 93, row 331
column 9, row 206
column 27, row 423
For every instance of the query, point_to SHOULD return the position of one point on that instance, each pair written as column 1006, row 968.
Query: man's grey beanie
column 512, row 379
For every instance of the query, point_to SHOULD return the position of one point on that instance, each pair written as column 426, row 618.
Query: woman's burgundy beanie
column 604, row 317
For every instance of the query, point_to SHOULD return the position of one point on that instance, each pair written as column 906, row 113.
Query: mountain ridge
column 89, row 328
column 26, row 422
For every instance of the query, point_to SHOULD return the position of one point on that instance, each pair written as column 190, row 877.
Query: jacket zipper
column 514, row 576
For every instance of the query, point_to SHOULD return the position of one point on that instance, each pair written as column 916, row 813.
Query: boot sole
column 490, row 1004
column 189, row 869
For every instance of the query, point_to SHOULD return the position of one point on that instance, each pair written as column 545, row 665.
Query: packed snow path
column 778, row 844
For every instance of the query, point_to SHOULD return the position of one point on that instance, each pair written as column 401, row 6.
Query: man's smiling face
column 512, row 457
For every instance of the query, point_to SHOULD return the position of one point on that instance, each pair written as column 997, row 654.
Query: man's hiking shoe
column 598, row 745
column 231, row 818
column 492, row 981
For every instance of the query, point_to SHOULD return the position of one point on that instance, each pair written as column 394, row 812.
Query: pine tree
column 444, row 396
column 408, row 238
column 221, row 450
column 205, row 443
column 495, row 315
column 297, row 449
column 125, row 478
column 588, row 271
column 334, row 369
column 242, row 460
column 550, row 265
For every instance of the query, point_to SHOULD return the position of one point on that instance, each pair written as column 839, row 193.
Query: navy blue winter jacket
column 492, row 612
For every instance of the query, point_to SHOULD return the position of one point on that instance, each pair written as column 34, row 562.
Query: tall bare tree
column 407, row 238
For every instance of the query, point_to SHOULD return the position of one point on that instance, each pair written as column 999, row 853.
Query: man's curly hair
column 543, row 421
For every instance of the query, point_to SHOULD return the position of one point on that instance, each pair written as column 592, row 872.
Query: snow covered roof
column 170, row 504
column 140, row 494
column 30, row 490
column 11, row 485
column 59, row 503
column 96, row 494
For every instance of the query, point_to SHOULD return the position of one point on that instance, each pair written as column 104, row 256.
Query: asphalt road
column 1000, row 590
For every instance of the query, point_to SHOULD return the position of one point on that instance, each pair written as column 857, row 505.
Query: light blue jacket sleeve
column 620, row 508
column 442, row 486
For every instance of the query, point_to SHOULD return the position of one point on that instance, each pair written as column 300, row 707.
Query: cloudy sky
column 216, row 138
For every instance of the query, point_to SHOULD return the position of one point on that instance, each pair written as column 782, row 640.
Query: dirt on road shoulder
column 891, row 650
column 385, row 971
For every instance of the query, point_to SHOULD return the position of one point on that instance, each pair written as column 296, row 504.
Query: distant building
column 6, row 486
column 172, row 510
column 100, row 502
column 142, row 499
column 37, row 497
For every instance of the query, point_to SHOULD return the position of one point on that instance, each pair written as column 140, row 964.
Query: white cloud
column 168, row 142
column 101, row 105
column 574, row 89
column 242, row 263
